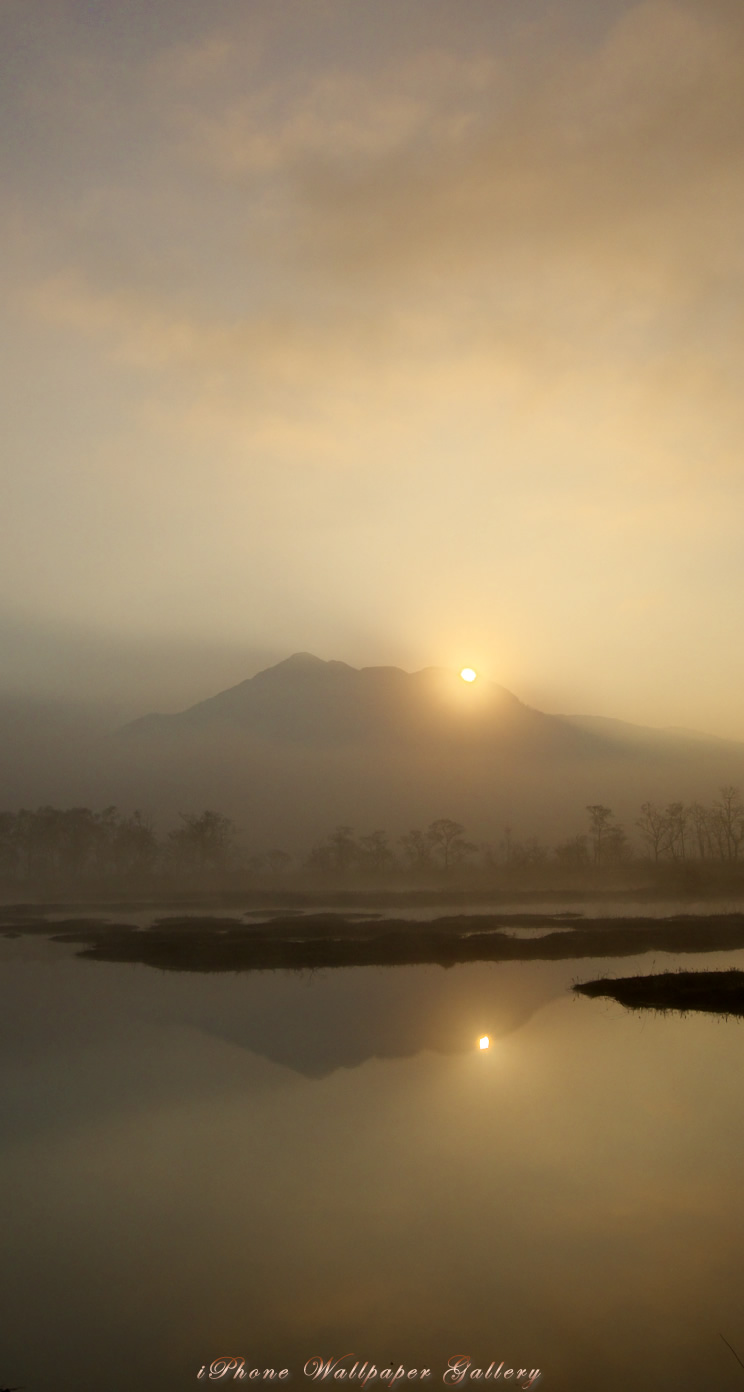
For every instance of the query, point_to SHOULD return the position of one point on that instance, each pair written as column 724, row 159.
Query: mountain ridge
column 306, row 745
column 305, row 664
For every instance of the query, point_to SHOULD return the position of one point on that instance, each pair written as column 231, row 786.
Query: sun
column 468, row 674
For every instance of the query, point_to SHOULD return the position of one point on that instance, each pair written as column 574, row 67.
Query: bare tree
column 417, row 849
column 135, row 845
column 574, row 853
column 600, row 821
column 10, row 845
column 447, row 841
column 337, row 853
column 375, row 852
column 525, row 855
column 653, row 828
column 677, row 818
column 701, row 822
column 204, row 842
column 616, row 848
column 344, row 848
column 728, row 817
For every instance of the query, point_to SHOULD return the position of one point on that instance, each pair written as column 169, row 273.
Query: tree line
column 61, row 846
column 78, row 843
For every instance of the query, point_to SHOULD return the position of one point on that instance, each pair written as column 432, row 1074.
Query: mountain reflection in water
column 311, row 1022
column 282, row 1165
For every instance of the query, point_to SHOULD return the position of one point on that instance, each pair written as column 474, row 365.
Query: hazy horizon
column 126, row 681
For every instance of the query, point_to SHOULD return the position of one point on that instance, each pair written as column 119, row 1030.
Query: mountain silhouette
column 308, row 744
column 307, row 700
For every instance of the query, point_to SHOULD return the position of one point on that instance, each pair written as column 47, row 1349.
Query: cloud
column 542, row 218
column 444, row 293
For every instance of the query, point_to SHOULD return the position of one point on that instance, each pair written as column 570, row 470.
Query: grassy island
column 721, row 992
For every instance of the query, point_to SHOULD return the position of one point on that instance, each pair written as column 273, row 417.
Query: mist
column 401, row 336
column 307, row 747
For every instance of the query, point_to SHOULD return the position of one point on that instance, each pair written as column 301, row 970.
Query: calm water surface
column 280, row 1165
column 144, row 915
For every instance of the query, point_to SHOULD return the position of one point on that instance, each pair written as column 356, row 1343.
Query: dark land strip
column 212, row 943
column 721, row 992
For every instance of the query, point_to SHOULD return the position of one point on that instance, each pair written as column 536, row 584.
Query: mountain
column 306, row 701
column 308, row 744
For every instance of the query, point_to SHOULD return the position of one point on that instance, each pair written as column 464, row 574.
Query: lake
column 278, row 1166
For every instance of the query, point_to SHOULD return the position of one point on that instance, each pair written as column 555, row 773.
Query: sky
column 397, row 331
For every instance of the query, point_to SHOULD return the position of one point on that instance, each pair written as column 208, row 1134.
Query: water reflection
column 280, row 1167
column 311, row 1022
